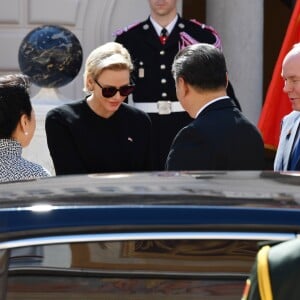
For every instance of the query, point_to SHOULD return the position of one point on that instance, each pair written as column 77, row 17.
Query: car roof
column 251, row 188
column 115, row 202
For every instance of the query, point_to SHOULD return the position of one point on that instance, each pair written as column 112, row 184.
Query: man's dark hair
column 14, row 102
column 203, row 66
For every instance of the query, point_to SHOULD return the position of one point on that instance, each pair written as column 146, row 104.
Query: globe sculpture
column 51, row 56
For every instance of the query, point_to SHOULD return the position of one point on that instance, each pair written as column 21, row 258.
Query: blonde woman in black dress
column 100, row 133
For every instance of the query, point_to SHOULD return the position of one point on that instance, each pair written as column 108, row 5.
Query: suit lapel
column 293, row 140
column 288, row 137
column 287, row 149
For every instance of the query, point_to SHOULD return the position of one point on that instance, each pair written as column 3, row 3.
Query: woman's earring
column 26, row 132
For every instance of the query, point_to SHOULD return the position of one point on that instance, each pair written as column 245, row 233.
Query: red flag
column 277, row 103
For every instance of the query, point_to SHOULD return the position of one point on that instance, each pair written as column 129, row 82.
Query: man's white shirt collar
column 158, row 28
column 209, row 103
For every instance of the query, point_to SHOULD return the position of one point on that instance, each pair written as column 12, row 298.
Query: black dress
column 80, row 141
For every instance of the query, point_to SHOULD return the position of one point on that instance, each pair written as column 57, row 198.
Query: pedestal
column 37, row 151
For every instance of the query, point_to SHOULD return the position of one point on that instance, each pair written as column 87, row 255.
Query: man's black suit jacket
column 220, row 138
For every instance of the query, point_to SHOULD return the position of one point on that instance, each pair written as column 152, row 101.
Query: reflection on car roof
column 238, row 188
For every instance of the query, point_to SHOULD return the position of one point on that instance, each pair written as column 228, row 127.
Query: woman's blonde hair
column 112, row 56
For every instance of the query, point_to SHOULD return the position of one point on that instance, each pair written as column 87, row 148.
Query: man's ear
column 183, row 86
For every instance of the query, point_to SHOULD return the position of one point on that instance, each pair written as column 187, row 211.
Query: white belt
column 160, row 107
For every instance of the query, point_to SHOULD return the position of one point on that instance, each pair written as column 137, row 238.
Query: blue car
column 159, row 235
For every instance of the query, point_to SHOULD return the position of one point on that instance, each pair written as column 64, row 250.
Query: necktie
column 163, row 36
column 295, row 155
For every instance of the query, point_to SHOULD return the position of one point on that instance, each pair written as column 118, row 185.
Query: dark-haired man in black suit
column 220, row 137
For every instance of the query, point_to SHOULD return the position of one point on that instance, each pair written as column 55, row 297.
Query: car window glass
column 141, row 269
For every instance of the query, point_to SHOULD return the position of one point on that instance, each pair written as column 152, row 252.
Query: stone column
column 240, row 24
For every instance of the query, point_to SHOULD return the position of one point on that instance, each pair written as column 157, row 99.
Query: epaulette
column 127, row 28
column 218, row 42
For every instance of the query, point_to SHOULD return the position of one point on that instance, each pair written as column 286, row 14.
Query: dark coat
column 288, row 136
column 220, row 138
column 284, row 271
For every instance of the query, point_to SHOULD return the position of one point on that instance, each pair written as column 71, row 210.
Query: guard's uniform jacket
column 155, row 87
column 275, row 274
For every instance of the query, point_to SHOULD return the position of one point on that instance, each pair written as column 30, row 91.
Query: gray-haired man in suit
column 288, row 153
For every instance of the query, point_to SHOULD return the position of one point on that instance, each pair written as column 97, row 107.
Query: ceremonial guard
column 153, row 45
column 275, row 273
